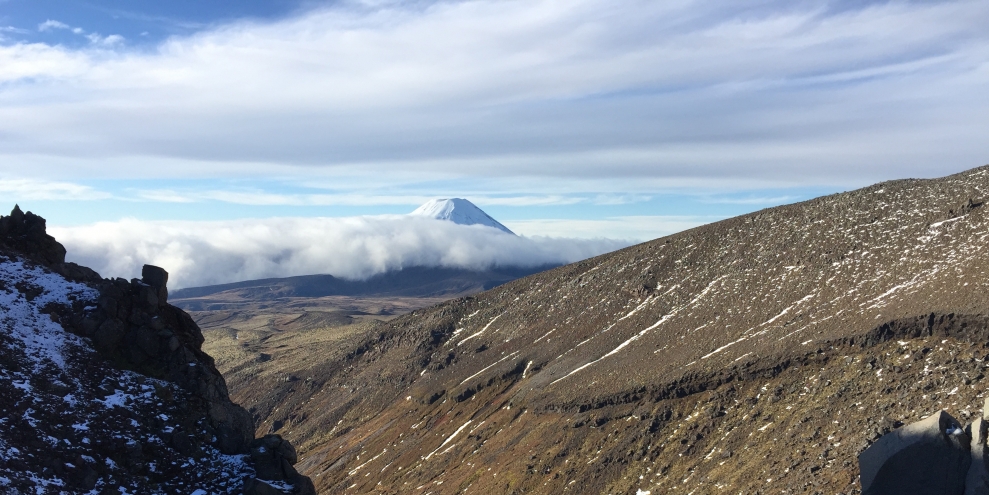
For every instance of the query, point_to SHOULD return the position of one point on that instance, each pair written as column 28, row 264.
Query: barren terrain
column 759, row 354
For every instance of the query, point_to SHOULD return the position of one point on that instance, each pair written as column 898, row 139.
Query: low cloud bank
column 207, row 253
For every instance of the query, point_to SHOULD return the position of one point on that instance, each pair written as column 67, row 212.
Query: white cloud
column 759, row 200
column 33, row 189
column 637, row 228
column 203, row 253
column 94, row 38
column 12, row 29
column 263, row 198
column 52, row 24
column 657, row 92
column 98, row 39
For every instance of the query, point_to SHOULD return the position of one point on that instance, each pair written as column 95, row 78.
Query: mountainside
column 757, row 354
column 459, row 211
column 104, row 387
column 425, row 282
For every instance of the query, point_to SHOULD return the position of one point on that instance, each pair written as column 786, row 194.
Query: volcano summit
column 459, row 211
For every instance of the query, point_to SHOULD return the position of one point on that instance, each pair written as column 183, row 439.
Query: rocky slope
column 759, row 354
column 104, row 387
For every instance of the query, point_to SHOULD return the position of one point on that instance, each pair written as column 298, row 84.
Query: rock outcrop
column 132, row 327
column 135, row 328
column 273, row 459
column 929, row 457
column 933, row 456
column 26, row 235
column 977, row 479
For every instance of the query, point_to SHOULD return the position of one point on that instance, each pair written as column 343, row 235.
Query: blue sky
column 582, row 118
column 141, row 23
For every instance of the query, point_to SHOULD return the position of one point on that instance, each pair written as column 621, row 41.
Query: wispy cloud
column 636, row 228
column 14, row 30
column 33, row 189
column 202, row 253
column 52, row 24
column 94, row 38
column 619, row 199
column 258, row 197
column 751, row 200
column 111, row 40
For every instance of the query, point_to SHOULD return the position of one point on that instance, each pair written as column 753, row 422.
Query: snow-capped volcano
column 460, row 211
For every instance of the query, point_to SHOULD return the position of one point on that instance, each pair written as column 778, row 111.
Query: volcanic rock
column 126, row 402
column 929, row 457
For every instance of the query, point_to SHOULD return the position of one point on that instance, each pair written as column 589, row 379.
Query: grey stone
column 149, row 297
column 109, row 304
column 108, row 335
column 147, row 340
column 88, row 326
column 273, row 458
column 929, row 457
column 977, row 480
column 157, row 278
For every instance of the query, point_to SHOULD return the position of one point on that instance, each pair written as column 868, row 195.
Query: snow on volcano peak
column 459, row 211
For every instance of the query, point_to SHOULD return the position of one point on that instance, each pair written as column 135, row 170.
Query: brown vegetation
column 760, row 354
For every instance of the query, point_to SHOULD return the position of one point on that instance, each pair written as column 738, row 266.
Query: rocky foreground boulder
column 934, row 456
column 104, row 387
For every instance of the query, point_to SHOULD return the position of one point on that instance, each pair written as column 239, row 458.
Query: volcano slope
column 758, row 354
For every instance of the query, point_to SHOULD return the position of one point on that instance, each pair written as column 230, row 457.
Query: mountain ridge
column 425, row 283
column 557, row 358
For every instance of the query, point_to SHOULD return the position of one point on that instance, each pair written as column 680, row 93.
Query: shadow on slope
column 420, row 282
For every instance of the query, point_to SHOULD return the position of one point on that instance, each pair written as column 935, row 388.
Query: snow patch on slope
column 94, row 422
column 20, row 312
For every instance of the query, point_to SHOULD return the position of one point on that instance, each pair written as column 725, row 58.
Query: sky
column 588, row 120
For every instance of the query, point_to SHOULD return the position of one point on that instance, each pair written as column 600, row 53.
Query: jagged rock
column 132, row 327
column 929, row 457
column 156, row 277
column 136, row 329
column 273, row 458
column 108, row 336
column 25, row 234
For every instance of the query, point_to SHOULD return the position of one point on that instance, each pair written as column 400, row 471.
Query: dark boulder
column 273, row 459
column 25, row 232
column 26, row 235
column 932, row 456
column 156, row 278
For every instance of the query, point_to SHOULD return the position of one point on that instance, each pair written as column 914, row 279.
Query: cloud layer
column 206, row 253
column 641, row 92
